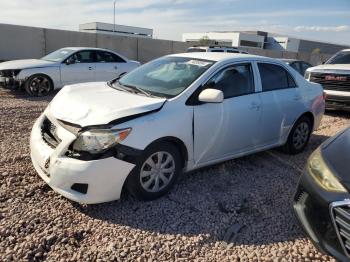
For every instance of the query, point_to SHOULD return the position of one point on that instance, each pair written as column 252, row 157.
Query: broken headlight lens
column 98, row 140
column 322, row 174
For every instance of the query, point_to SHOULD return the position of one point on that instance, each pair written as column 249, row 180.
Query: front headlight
column 322, row 174
column 96, row 141
column 307, row 75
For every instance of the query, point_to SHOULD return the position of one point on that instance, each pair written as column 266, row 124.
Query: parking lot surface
column 240, row 210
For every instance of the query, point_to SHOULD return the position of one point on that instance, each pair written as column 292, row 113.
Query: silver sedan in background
column 65, row 66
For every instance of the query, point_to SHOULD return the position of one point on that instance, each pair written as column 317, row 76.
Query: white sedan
column 171, row 115
column 65, row 66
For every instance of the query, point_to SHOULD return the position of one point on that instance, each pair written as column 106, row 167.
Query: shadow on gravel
column 338, row 113
column 21, row 94
column 242, row 201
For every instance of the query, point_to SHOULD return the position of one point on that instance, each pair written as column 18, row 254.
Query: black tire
column 134, row 184
column 38, row 85
column 299, row 136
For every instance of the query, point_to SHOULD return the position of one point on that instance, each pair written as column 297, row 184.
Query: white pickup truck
column 334, row 76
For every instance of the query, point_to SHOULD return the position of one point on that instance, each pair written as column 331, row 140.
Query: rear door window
column 108, row 57
column 274, row 77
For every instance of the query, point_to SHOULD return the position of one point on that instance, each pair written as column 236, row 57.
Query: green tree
column 316, row 51
column 204, row 40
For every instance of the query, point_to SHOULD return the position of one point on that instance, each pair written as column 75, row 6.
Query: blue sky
column 326, row 20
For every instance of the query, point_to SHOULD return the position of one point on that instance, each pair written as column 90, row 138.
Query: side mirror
column 70, row 61
column 211, row 96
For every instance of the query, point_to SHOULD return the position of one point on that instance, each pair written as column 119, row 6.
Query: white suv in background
column 334, row 76
column 171, row 115
column 216, row 49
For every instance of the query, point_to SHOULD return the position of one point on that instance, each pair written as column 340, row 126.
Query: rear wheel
column 299, row 136
column 38, row 85
column 155, row 172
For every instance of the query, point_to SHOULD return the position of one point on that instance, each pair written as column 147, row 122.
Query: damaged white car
column 171, row 115
column 65, row 66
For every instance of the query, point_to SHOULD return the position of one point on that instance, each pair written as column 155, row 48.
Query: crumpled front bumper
column 10, row 82
column 104, row 178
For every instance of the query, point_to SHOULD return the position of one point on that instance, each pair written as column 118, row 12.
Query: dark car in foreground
column 322, row 200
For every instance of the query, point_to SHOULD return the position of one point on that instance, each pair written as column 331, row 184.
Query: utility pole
column 115, row 1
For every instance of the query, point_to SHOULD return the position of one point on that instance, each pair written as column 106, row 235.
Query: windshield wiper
column 118, row 87
column 139, row 90
column 128, row 88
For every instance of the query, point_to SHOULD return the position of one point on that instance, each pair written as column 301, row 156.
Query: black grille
column 8, row 73
column 341, row 219
column 337, row 82
column 48, row 132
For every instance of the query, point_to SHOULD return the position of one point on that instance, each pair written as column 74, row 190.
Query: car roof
column 213, row 56
column 77, row 48
column 290, row 60
column 212, row 46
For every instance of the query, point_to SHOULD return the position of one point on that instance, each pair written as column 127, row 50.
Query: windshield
column 58, row 55
column 167, row 76
column 340, row 58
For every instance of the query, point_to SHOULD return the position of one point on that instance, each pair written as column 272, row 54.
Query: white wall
column 18, row 42
column 292, row 45
column 105, row 28
column 284, row 43
column 252, row 38
column 233, row 38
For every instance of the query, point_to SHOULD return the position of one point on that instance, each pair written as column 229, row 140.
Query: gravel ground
column 236, row 211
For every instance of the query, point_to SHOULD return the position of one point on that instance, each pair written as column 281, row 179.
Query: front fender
column 52, row 72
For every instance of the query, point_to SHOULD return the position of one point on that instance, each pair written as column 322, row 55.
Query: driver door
column 80, row 70
column 224, row 129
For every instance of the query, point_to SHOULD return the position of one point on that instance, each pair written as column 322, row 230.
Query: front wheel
column 155, row 172
column 38, row 85
column 299, row 136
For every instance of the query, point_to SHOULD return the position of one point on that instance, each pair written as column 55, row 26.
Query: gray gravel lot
column 236, row 211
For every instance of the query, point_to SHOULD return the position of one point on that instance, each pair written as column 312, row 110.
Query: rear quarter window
column 275, row 77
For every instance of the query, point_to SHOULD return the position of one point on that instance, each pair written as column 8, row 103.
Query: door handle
column 90, row 67
column 297, row 98
column 116, row 68
column 254, row 106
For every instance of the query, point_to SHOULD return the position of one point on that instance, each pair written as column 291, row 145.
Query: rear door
column 281, row 102
column 109, row 66
column 82, row 70
column 224, row 129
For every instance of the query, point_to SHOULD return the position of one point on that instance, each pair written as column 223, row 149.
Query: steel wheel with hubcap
column 155, row 172
column 299, row 136
column 38, row 85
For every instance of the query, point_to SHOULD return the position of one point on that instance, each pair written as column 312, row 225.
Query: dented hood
column 97, row 104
